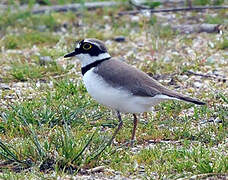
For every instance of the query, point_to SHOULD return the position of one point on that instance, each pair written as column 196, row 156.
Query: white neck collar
column 86, row 59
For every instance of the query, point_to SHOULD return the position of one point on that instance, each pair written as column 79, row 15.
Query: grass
column 50, row 127
column 187, row 158
column 224, row 44
column 27, row 71
column 31, row 118
column 214, row 20
column 25, row 40
column 63, row 119
column 208, row 2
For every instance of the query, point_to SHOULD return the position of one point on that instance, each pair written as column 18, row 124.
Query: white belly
column 117, row 98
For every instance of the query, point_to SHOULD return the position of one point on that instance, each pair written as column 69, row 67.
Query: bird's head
column 89, row 51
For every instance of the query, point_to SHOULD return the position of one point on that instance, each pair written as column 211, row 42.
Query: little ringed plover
column 118, row 85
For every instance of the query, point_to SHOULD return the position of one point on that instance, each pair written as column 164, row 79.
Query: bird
column 118, row 85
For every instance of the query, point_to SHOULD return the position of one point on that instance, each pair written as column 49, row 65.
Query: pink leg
column 134, row 129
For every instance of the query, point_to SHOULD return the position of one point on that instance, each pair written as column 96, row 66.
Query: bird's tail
column 182, row 97
column 189, row 99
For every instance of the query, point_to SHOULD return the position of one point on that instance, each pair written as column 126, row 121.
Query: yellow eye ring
column 87, row 46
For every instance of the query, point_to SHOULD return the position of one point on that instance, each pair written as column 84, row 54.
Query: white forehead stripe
column 86, row 40
column 78, row 45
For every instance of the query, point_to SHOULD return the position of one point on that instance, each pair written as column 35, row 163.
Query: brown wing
column 120, row 74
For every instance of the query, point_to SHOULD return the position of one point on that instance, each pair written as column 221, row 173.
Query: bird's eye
column 87, row 46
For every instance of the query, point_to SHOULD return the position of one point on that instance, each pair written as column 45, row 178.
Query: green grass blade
column 84, row 148
column 8, row 152
column 224, row 98
column 34, row 139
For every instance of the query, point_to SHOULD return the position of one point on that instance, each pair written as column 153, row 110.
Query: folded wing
column 135, row 81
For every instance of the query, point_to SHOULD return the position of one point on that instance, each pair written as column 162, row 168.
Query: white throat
column 87, row 59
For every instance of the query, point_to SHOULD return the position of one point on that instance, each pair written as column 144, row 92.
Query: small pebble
column 141, row 171
column 117, row 172
column 120, row 39
column 41, row 28
column 217, row 120
column 183, row 77
column 210, row 60
column 175, row 53
column 146, row 13
column 135, row 19
column 4, row 86
column 134, row 149
column 65, row 25
column 198, row 84
column 167, row 59
column 106, row 161
column 96, row 169
column 211, row 44
column 45, row 60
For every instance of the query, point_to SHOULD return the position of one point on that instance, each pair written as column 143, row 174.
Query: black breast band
column 94, row 64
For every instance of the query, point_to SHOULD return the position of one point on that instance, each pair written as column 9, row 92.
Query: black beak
column 71, row 54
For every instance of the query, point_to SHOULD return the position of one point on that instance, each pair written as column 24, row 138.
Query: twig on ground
column 197, row 28
column 196, row 8
column 199, row 74
column 221, row 78
column 207, row 175
column 62, row 8
column 73, row 7
column 96, row 169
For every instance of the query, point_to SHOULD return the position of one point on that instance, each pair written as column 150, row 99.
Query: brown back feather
column 135, row 81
